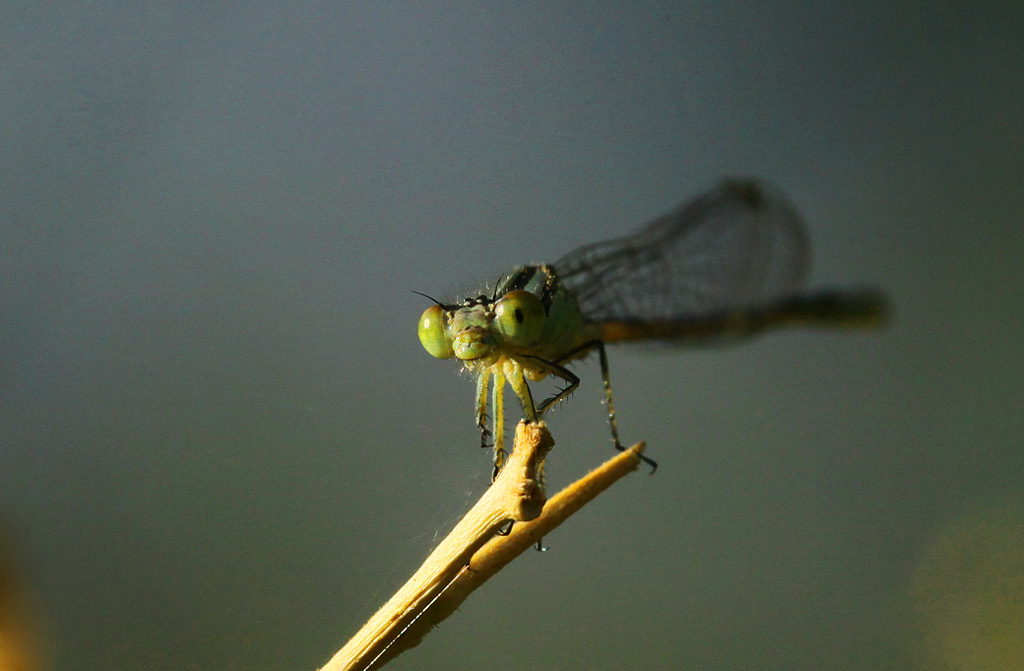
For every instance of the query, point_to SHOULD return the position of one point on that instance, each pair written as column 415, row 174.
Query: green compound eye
column 520, row 317
column 432, row 333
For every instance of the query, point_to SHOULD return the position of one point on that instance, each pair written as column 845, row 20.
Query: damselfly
column 728, row 263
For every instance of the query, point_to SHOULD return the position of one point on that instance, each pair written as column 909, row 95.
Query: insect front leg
column 498, row 402
column 481, row 407
column 522, row 389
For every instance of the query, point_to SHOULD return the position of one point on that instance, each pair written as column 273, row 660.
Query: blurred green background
column 222, row 447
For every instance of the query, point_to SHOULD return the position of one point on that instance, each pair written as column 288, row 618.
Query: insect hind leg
column 609, row 402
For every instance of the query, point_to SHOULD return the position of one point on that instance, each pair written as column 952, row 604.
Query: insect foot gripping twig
column 516, row 495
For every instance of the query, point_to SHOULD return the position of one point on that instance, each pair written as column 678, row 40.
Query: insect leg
column 559, row 372
column 522, row 390
column 498, row 401
column 481, row 407
column 603, row 355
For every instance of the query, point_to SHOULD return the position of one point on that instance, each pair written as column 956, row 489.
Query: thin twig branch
column 501, row 550
column 472, row 553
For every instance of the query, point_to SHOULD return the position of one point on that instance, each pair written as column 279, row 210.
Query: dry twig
column 462, row 562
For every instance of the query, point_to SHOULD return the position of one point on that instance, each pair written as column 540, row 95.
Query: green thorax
column 564, row 329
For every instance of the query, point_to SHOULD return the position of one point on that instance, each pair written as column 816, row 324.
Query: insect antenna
column 431, row 298
column 497, row 285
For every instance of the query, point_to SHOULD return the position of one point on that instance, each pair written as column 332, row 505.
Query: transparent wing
column 737, row 246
